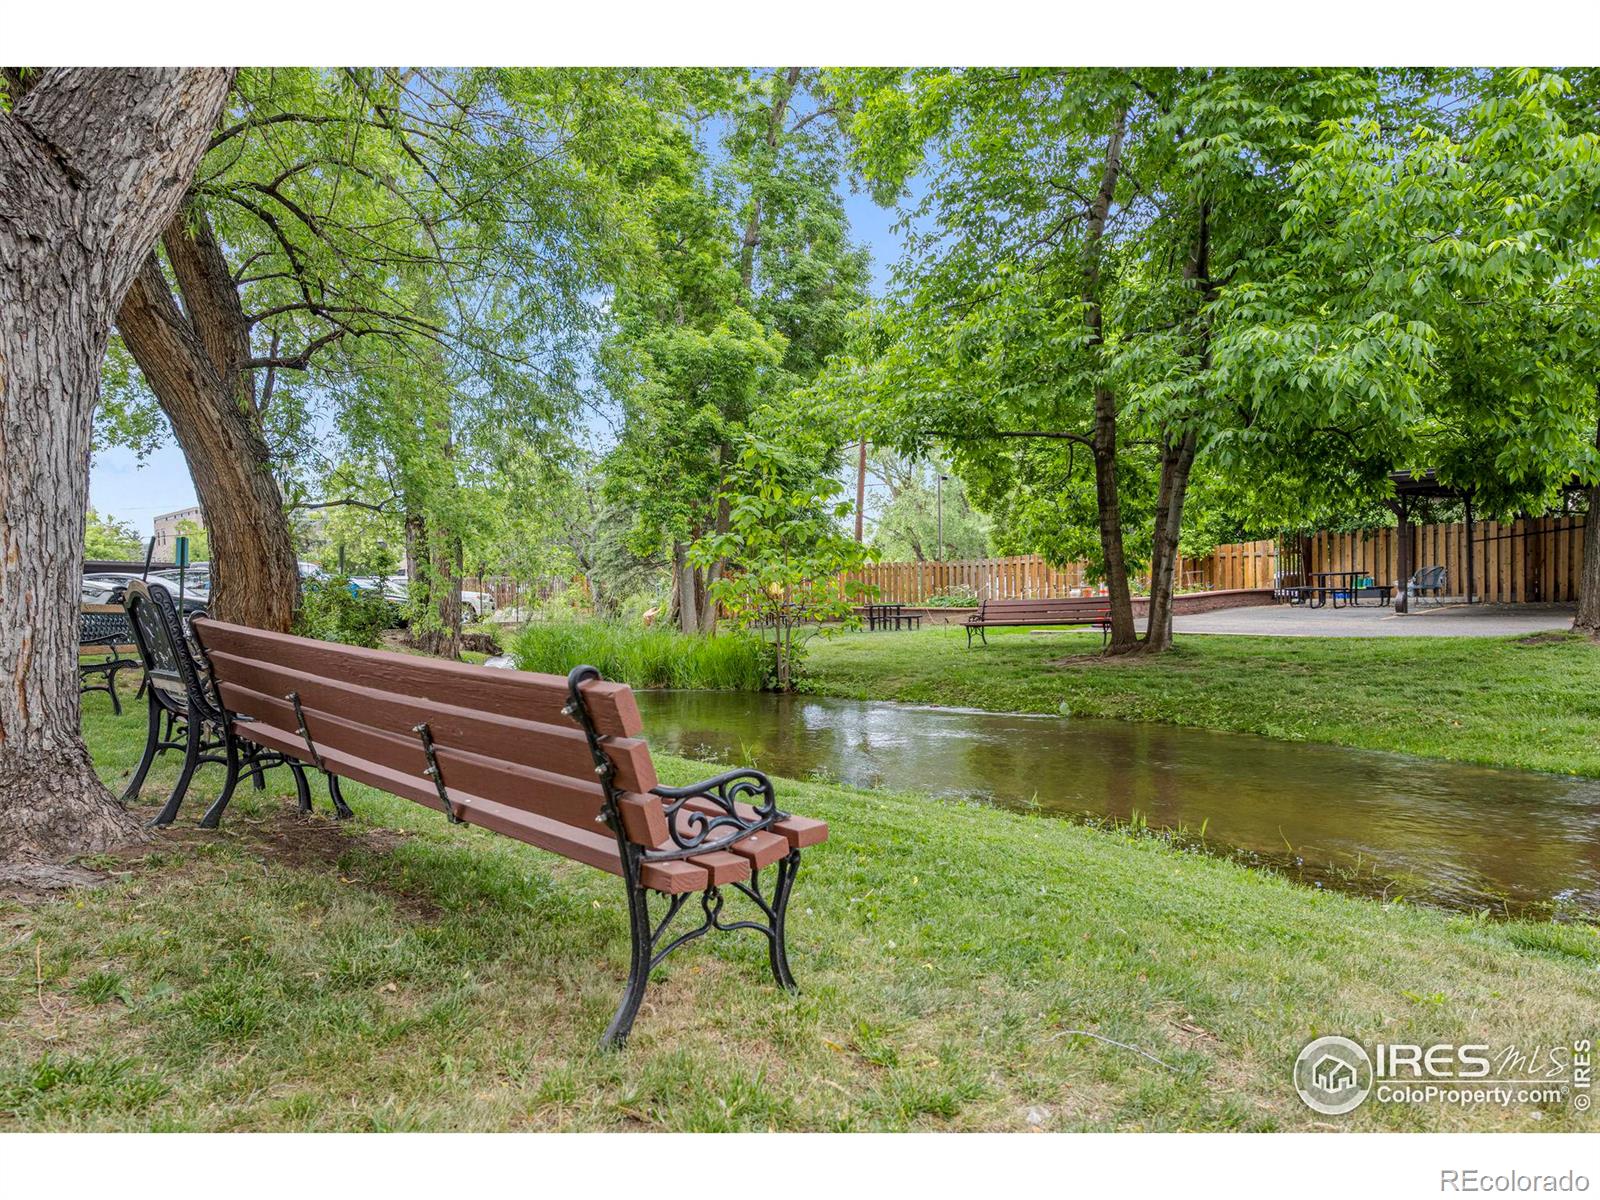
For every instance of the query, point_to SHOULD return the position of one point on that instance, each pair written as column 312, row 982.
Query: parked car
column 196, row 581
column 475, row 606
column 378, row 583
column 107, row 588
column 100, row 591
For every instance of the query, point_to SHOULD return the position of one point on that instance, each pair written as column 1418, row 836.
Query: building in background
column 168, row 529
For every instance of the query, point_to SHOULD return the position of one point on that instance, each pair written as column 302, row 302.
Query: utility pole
column 938, row 502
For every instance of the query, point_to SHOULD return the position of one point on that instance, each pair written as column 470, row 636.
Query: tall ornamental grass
column 645, row 657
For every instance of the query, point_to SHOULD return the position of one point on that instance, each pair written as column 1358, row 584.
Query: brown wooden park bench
column 1075, row 610
column 554, row 762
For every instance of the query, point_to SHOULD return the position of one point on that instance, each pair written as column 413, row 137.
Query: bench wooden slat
column 522, row 694
column 559, row 748
column 798, row 832
column 644, row 819
column 723, row 867
column 564, row 798
column 597, row 848
column 762, row 848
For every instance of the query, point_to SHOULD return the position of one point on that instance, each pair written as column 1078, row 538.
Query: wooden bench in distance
column 103, row 631
column 1074, row 610
column 557, row 763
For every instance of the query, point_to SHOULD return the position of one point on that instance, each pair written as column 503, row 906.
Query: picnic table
column 1345, row 585
column 890, row 616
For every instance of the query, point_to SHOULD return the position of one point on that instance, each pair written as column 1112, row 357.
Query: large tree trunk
column 442, row 634
column 93, row 163
column 196, row 360
column 1104, row 440
column 1108, row 511
column 416, row 534
column 685, row 590
column 1588, row 618
column 1177, row 462
column 1177, row 459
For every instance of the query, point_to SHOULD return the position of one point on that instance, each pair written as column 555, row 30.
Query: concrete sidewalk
column 1451, row 620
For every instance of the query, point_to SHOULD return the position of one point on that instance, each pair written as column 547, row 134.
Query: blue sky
column 133, row 491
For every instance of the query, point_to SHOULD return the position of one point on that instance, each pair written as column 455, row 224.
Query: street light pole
column 938, row 492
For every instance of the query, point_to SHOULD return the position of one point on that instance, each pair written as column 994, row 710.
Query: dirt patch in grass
column 279, row 839
column 1170, row 660
column 1096, row 660
column 1548, row 637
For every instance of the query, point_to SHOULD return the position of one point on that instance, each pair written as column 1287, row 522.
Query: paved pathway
column 1452, row 620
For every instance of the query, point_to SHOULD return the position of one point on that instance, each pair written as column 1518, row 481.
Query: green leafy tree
column 907, row 525
column 784, row 549
column 108, row 538
column 1436, row 291
column 1052, row 323
column 338, row 209
column 720, row 325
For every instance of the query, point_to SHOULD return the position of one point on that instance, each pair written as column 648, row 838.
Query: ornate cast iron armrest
column 716, row 825
column 106, row 641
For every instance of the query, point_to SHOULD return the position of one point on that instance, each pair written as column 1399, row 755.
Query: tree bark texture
column 93, row 164
column 443, row 635
column 1177, row 462
column 1588, row 618
column 1103, row 441
column 195, row 358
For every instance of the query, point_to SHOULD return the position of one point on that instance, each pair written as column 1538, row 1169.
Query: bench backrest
column 1066, row 606
column 170, row 665
column 98, row 623
column 509, row 756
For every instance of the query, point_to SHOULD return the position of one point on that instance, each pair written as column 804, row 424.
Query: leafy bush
column 956, row 596
column 331, row 612
column 643, row 657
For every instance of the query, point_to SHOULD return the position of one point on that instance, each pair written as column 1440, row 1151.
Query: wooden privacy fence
column 1030, row 577
column 1236, row 565
column 1529, row 560
column 1021, row 577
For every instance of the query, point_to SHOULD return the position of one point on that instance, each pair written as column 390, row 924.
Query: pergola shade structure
column 1412, row 487
column 1409, row 488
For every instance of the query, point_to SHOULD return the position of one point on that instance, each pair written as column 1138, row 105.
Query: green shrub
column 654, row 657
column 958, row 595
column 331, row 612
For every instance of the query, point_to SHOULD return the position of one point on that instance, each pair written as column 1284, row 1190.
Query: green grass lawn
column 1516, row 702
column 399, row 973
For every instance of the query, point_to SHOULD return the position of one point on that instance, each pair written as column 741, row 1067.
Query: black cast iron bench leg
column 644, row 955
column 191, row 762
column 152, row 747
column 340, row 808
